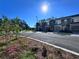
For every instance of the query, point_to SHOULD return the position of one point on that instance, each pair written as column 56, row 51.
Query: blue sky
column 29, row 9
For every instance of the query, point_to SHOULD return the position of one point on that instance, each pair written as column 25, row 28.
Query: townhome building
column 66, row 24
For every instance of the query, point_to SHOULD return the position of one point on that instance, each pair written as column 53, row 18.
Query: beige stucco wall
column 76, row 19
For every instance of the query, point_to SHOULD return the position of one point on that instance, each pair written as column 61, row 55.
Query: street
column 70, row 42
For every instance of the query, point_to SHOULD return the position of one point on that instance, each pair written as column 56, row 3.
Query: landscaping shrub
column 28, row 55
column 2, row 44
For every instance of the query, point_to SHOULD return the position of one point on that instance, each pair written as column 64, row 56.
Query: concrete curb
column 64, row 49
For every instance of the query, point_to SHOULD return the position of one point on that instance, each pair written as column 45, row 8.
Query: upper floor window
column 65, row 20
column 58, row 21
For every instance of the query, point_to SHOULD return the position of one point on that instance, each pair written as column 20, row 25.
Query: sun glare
column 44, row 8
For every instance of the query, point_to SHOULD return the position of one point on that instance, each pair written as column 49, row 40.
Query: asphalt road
column 66, row 41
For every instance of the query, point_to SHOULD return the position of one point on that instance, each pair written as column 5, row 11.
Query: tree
column 0, row 26
column 23, row 25
column 9, row 26
column 5, row 26
column 16, row 27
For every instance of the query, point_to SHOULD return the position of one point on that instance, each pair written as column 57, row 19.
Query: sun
column 44, row 8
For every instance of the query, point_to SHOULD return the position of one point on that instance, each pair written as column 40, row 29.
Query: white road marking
column 64, row 49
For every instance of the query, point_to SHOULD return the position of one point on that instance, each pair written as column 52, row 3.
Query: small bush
column 1, row 49
column 14, row 39
column 2, row 44
column 28, row 55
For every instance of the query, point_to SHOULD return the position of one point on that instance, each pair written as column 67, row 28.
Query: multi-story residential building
column 42, row 25
column 51, row 24
column 38, row 26
column 67, row 24
column 74, row 27
column 57, row 25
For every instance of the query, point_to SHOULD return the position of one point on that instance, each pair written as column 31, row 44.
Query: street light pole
column 37, row 23
column 37, row 18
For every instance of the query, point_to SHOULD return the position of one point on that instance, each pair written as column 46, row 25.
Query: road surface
column 66, row 41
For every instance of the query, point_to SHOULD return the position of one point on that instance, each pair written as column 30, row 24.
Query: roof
column 75, row 23
column 68, row 16
column 50, row 19
column 74, row 15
